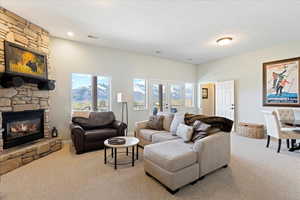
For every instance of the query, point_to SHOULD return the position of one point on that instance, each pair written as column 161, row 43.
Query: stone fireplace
column 18, row 30
column 24, row 111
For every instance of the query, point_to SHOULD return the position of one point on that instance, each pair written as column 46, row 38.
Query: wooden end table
column 130, row 142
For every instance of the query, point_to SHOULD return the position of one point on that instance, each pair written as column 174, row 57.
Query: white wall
column 69, row 57
column 246, row 70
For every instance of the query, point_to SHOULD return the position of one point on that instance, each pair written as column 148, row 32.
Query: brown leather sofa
column 90, row 133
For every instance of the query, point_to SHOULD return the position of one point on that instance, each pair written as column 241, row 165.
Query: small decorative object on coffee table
column 116, row 141
column 114, row 144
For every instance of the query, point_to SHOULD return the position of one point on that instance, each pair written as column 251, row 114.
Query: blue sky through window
column 80, row 80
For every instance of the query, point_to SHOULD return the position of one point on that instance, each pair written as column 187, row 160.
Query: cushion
column 168, row 118
column 178, row 119
column 82, row 121
column 185, row 132
column 161, row 137
column 199, row 135
column 101, row 118
column 201, row 130
column 100, row 134
column 95, row 120
column 200, row 126
column 171, row 155
column 147, row 134
column 155, row 122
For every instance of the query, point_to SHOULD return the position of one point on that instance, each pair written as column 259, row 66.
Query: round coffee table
column 130, row 142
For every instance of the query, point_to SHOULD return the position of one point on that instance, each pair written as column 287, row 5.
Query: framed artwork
column 281, row 83
column 25, row 62
column 204, row 93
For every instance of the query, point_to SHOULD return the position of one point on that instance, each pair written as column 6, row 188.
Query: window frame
column 93, row 103
column 71, row 98
column 182, row 93
column 110, row 92
column 193, row 95
column 146, row 95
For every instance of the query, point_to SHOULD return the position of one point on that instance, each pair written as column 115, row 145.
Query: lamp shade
column 121, row 97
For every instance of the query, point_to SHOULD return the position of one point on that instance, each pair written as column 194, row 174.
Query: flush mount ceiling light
column 158, row 52
column 224, row 41
column 70, row 34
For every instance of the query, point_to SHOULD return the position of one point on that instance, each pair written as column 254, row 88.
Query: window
column 90, row 93
column 103, row 93
column 176, row 96
column 189, row 95
column 81, row 92
column 156, row 95
column 139, row 94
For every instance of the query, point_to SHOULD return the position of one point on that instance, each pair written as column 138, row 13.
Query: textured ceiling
column 184, row 30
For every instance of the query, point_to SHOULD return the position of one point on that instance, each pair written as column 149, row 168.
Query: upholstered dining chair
column 275, row 130
column 285, row 114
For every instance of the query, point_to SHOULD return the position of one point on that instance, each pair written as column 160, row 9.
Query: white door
column 173, row 95
column 225, row 106
column 154, row 95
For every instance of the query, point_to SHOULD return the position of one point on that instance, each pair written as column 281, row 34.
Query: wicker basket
column 251, row 130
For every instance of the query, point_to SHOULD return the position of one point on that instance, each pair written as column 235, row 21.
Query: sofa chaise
column 175, row 163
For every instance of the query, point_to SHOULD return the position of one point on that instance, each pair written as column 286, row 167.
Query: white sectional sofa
column 175, row 163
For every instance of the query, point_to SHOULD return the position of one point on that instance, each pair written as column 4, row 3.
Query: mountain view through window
column 139, row 94
column 83, row 99
column 81, row 92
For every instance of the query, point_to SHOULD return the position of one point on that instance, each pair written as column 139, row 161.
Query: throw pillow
column 178, row 119
column 185, row 132
column 199, row 135
column 155, row 122
column 201, row 130
column 200, row 126
column 168, row 118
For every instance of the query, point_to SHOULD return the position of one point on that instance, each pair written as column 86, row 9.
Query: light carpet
column 255, row 173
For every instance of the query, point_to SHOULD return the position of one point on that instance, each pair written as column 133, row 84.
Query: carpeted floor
column 255, row 173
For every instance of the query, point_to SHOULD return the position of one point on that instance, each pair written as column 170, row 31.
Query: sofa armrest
column 77, row 135
column 138, row 126
column 213, row 152
column 120, row 126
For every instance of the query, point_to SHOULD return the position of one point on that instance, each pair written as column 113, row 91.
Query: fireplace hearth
column 22, row 127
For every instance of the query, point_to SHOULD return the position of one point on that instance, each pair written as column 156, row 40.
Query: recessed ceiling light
column 71, row 34
column 224, row 41
column 93, row 37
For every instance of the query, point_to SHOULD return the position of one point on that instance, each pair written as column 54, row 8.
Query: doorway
column 207, row 99
column 217, row 99
column 166, row 96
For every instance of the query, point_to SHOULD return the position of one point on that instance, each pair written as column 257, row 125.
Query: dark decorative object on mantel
column 54, row 132
column 23, row 65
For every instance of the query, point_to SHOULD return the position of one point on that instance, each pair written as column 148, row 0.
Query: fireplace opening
column 22, row 127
